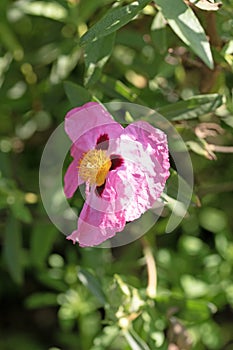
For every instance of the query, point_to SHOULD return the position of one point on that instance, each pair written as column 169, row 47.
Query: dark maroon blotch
column 100, row 189
column 116, row 161
column 102, row 142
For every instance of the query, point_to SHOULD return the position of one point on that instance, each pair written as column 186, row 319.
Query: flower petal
column 96, row 226
column 84, row 125
column 147, row 135
column 71, row 178
column 144, row 171
column 135, row 180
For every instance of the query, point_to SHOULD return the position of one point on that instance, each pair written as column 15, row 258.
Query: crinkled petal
column 132, row 186
column 142, row 177
column 133, row 191
column 154, row 141
column 96, row 226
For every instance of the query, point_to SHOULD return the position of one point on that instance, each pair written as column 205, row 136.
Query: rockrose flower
column 125, row 171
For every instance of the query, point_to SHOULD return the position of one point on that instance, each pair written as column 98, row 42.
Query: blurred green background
column 58, row 296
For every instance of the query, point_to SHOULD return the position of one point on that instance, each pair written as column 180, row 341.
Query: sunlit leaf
column 185, row 24
column 96, row 55
column 197, row 148
column 158, row 32
column 191, row 108
column 134, row 340
column 193, row 287
column 64, row 66
column 52, row 10
column 113, row 20
column 115, row 88
column 207, row 5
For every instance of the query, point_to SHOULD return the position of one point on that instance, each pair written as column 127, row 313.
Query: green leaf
column 51, row 10
column 116, row 89
column 47, row 278
column 64, row 65
column 76, row 94
column 193, row 287
column 91, row 283
column 112, row 21
column 228, row 120
column 186, row 25
column 106, row 337
column 191, row 310
column 198, row 148
column 88, row 8
column 42, row 239
column 10, row 41
column 96, row 55
column 134, row 340
column 158, row 33
column 197, row 310
column 191, row 108
column 21, row 212
column 13, row 249
column 39, row 300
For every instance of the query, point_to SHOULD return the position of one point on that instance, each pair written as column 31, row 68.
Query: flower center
column 94, row 166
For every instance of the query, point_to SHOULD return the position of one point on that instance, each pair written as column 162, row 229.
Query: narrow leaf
column 134, row 340
column 186, row 25
column 191, row 108
column 96, row 55
column 113, row 20
column 115, row 88
column 10, row 41
column 158, row 33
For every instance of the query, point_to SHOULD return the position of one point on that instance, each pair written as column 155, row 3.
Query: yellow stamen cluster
column 94, row 167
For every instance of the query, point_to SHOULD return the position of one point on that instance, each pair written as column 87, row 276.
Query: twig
column 220, row 149
column 151, row 270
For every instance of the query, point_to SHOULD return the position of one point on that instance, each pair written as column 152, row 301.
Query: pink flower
column 125, row 170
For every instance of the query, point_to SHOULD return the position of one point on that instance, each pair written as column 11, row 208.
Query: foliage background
column 55, row 295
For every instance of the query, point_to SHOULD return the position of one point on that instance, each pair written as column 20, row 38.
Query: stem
column 151, row 270
column 221, row 149
column 211, row 29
